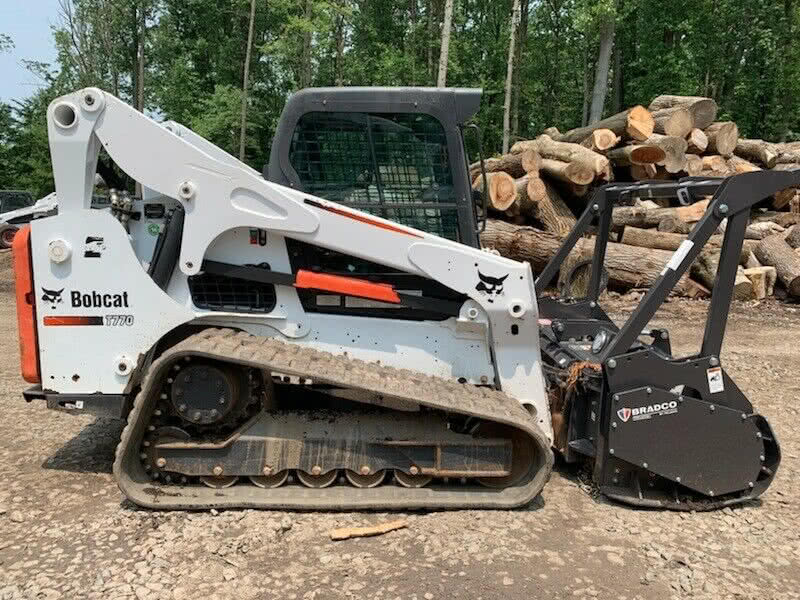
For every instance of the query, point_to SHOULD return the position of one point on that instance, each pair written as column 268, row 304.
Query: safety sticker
column 715, row 383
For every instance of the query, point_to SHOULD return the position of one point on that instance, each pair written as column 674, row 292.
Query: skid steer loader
column 336, row 339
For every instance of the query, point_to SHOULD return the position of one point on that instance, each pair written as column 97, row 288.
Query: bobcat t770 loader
column 331, row 335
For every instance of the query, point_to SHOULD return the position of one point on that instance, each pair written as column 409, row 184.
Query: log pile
column 536, row 191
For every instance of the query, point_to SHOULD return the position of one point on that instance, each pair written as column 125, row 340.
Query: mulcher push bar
column 733, row 197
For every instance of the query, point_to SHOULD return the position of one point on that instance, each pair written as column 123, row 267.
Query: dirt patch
column 66, row 531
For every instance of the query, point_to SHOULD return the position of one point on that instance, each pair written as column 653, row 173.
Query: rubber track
column 323, row 367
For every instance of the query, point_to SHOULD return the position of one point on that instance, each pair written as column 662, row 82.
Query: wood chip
column 345, row 533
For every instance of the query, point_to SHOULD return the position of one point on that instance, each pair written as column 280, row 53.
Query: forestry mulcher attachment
column 333, row 337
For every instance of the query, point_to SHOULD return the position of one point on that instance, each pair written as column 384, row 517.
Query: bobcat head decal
column 490, row 286
column 52, row 296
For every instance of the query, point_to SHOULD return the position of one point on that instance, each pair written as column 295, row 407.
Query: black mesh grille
column 228, row 294
column 394, row 166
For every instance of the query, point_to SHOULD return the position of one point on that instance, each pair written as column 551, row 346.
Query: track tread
column 324, row 367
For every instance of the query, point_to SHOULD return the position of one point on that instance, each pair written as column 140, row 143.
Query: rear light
column 26, row 306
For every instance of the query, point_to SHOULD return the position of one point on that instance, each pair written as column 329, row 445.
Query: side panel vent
column 229, row 294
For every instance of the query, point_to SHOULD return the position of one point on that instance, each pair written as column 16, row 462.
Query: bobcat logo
column 52, row 296
column 491, row 286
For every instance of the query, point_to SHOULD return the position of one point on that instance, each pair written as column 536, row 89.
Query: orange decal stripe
column 60, row 321
column 348, row 286
column 366, row 220
column 26, row 306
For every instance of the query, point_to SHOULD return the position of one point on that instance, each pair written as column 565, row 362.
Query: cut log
column 651, row 238
column 740, row 165
column 760, row 277
column 635, row 123
column 698, row 141
column 577, row 172
column 704, row 270
column 758, row 231
column 636, row 155
column 783, row 198
column 515, row 165
column 662, row 240
column 531, row 161
column 696, row 290
column 675, row 121
column 704, row 110
column 694, row 165
column 566, row 152
column 501, row 193
column 627, row 266
column 722, row 138
column 637, row 217
column 751, row 262
column 793, row 237
column 553, row 132
column 601, row 140
column 773, row 251
column 528, row 190
column 674, row 149
column 553, row 212
column 758, row 151
column 643, row 172
column 674, row 225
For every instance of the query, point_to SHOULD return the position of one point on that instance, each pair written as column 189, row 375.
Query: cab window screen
column 394, row 166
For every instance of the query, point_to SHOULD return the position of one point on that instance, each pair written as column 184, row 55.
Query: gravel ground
column 66, row 532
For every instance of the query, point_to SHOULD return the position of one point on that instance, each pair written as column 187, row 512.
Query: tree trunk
column 501, row 193
column 722, row 138
column 522, row 36
column 675, row 150
column 142, row 16
column 515, row 16
column 142, row 33
column 338, row 70
column 675, row 121
column 759, row 151
column 616, row 102
column 306, row 66
column 245, row 81
column 441, row 80
column 704, row 110
column 636, row 155
column 575, row 172
column 773, row 251
column 607, row 30
column 698, row 141
column 635, row 123
column 566, row 152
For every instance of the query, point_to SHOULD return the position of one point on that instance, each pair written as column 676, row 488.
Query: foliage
column 741, row 52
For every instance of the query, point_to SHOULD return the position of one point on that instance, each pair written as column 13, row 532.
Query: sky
column 28, row 23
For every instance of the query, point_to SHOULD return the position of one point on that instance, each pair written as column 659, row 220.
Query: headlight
column 599, row 341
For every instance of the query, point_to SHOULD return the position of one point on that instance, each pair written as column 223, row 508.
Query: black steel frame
column 733, row 197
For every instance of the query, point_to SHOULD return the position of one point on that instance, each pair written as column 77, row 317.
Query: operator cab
column 397, row 153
